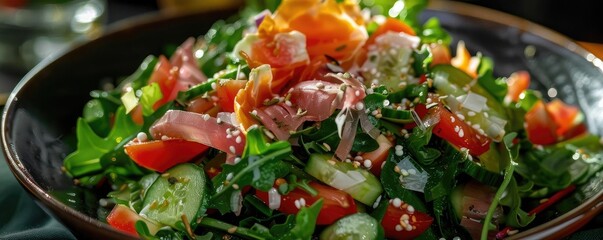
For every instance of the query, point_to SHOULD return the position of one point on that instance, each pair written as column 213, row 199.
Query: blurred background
column 31, row 29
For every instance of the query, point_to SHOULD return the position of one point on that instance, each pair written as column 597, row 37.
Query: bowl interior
column 38, row 122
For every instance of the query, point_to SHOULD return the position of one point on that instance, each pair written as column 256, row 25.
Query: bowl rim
column 579, row 215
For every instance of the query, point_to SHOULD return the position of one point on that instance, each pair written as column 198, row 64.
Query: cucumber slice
column 180, row 191
column 355, row 226
column 481, row 174
column 359, row 183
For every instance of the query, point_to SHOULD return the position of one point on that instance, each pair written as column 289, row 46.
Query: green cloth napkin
column 21, row 217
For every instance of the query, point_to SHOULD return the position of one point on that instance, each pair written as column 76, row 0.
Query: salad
column 328, row 119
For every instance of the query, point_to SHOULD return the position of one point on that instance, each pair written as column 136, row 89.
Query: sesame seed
column 367, row 163
column 397, row 202
column 457, row 129
column 237, row 160
column 238, row 139
column 213, row 85
column 397, row 169
column 376, row 203
column 331, row 162
column 452, row 119
column 404, row 172
column 141, row 136
column 205, row 117
column 358, row 158
column 327, row 146
column 232, row 230
column 302, row 202
column 398, row 227
column 218, row 120
column 215, row 98
column 386, row 102
column 235, row 186
column 288, row 103
column 297, row 204
column 232, row 149
column 398, row 147
column 164, row 137
column 471, row 113
column 460, row 116
column 461, row 133
column 357, row 93
column 320, row 85
column 229, row 176
column 410, row 209
column 409, row 227
column 254, row 112
column 404, row 217
column 359, row 106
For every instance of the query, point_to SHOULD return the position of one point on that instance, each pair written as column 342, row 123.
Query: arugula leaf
column 249, row 233
column 261, row 164
column 423, row 58
column 327, row 133
column 442, row 177
column 141, row 76
column 497, row 87
column 299, row 226
column 90, row 147
column 411, row 11
column 434, row 33
column 97, row 113
column 150, row 95
column 219, row 42
column 162, row 234
column 417, row 145
column 548, row 167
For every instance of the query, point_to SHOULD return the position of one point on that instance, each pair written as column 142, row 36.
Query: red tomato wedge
column 160, row 155
column 402, row 223
column 336, row 203
column 516, row 84
column 390, row 25
column 548, row 123
column 440, row 54
column 378, row 156
column 124, row 219
column 459, row 133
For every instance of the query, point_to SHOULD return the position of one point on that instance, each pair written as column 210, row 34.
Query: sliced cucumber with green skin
column 359, row 183
column 178, row 192
column 481, row 174
column 359, row 226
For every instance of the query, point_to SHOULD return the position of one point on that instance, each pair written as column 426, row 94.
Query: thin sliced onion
column 475, row 102
column 347, row 136
column 367, row 126
column 274, row 199
column 347, row 180
column 236, row 202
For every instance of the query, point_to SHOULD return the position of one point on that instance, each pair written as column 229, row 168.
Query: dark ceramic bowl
column 39, row 118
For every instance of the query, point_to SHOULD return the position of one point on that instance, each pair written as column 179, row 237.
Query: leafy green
column 140, row 77
column 434, row 33
column 150, row 95
column 90, row 148
column 442, row 175
column 97, row 113
column 411, row 11
column 423, row 58
column 299, row 226
column 548, row 167
column 393, row 188
column 327, row 133
column 417, row 145
column 497, row 87
column 219, row 42
column 261, row 164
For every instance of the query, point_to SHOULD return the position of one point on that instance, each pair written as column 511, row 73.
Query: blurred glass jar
column 30, row 30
